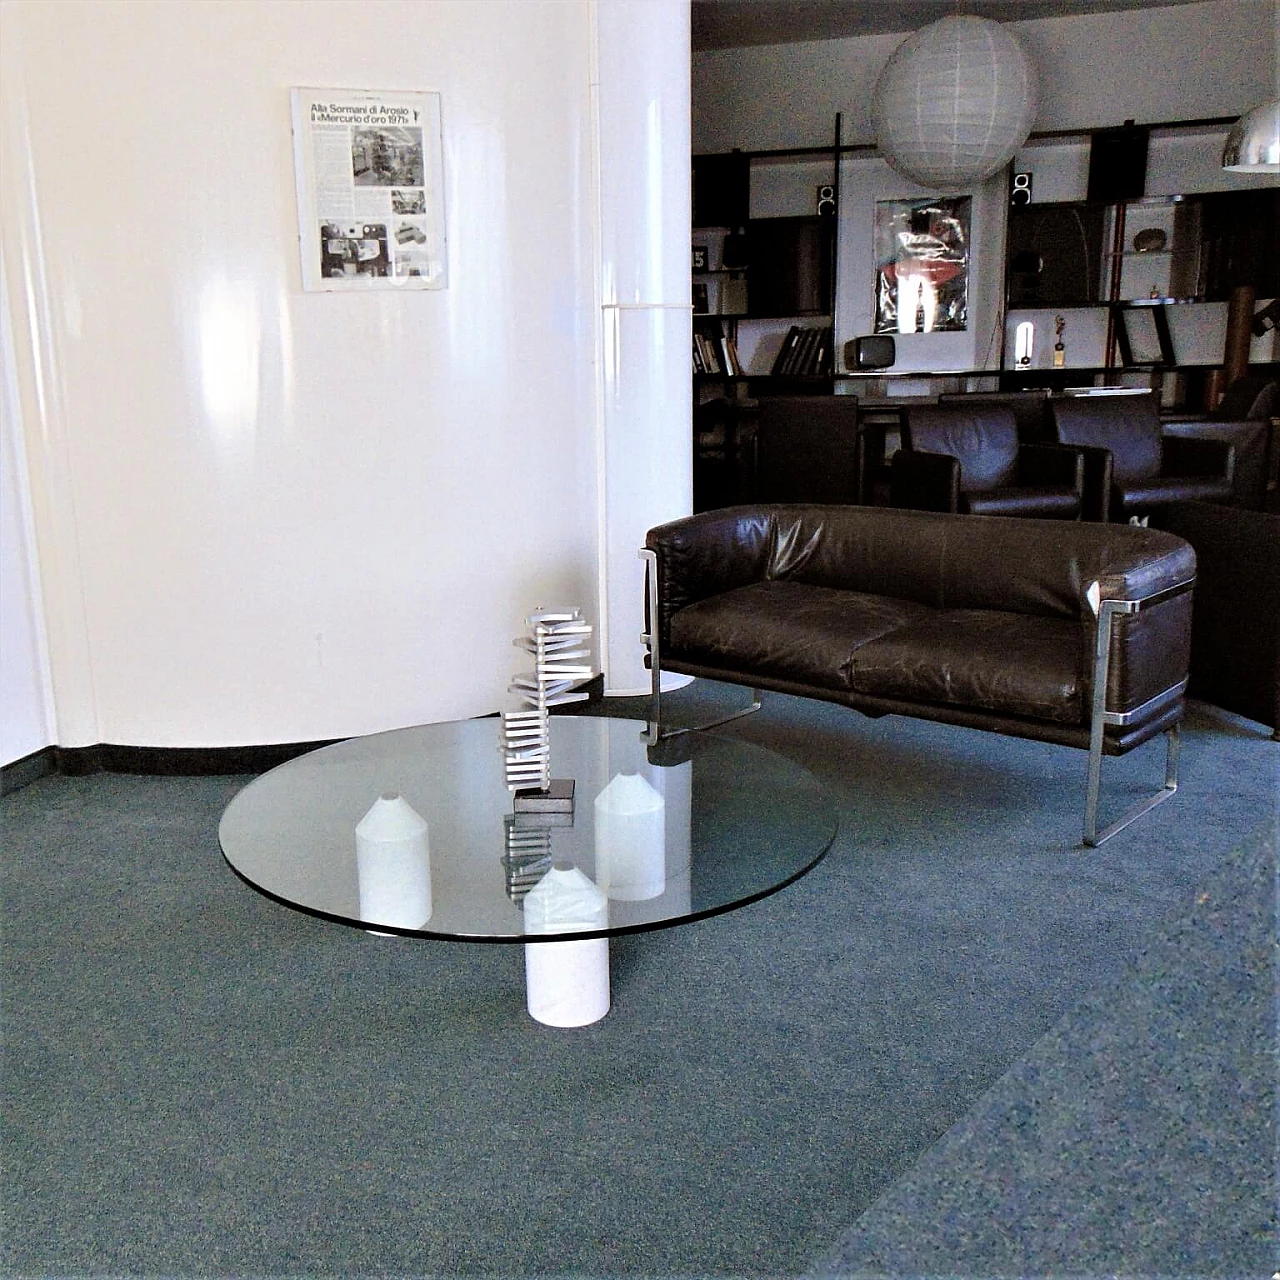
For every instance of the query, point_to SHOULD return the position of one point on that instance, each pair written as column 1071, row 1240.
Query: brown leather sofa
column 1065, row 632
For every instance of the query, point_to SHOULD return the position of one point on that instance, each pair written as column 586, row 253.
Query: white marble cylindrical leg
column 567, row 983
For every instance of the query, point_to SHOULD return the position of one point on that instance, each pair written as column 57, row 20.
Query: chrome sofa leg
column 1092, row 836
column 653, row 730
column 649, row 637
column 1100, row 718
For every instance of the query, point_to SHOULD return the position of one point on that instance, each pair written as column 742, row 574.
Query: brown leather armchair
column 1030, row 409
column 966, row 458
column 1131, row 466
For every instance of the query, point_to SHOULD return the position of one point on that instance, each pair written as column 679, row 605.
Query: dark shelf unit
column 781, row 268
column 1074, row 255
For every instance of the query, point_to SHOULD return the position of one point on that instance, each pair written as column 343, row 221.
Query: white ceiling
column 729, row 24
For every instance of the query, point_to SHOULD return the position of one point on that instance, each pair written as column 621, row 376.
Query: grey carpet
column 199, row 1082
column 1140, row 1130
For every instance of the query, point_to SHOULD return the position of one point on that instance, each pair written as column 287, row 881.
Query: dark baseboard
column 108, row 757
column 21, row 773
column 179, row 761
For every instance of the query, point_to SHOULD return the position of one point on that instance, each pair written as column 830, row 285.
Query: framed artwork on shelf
column 1143, row 337
column 922, row 265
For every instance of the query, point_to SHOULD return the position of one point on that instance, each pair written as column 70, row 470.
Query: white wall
column 26, row 715
column 268, row 515
column 1182, row 61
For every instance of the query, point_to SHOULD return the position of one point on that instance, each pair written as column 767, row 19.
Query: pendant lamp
column 954, row 102
column 1253, row 145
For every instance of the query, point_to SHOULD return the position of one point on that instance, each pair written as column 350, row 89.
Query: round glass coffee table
column 660, row 835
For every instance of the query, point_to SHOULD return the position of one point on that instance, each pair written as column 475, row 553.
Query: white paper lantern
column 954, row 102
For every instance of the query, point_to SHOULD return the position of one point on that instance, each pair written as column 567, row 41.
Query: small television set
column 875, row 351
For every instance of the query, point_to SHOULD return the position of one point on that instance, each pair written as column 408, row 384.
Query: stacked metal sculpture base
column 560, row 642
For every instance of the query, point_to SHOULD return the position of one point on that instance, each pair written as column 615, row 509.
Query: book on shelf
column 729, row 357
column 705, row 357
column 786, row 353
column 805, row 352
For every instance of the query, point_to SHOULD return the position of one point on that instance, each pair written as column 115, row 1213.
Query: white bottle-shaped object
column 631, row 839
column 393, row 864
column 566, row 983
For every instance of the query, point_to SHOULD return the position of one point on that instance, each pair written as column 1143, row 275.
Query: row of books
column 805, row 352
column 714, row 353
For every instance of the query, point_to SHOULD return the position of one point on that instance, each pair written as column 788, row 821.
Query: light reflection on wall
column 230, row 365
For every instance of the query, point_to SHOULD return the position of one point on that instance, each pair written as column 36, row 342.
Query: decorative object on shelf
column 393, row 866
column 1150, row 240
column 558, row 639
column 567, row 983
column 1059, row 347
column 954, row 102
column 699, row 257
column 1024, row 341
column 1253, row 145
column 631, row 863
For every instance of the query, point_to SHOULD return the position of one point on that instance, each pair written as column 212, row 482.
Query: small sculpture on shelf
column 559, row 641
column 1059, row 347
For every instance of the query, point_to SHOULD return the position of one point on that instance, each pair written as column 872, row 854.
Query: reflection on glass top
column 696, row 825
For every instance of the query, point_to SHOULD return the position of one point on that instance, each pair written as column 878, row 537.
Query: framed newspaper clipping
column 370, row 174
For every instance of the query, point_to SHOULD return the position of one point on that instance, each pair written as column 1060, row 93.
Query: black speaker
column 721, row 189
column 1118, row 164
column 877, row 351
column 826, row 200
column 1020, row 189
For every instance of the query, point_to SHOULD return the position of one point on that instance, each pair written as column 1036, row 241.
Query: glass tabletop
column 693, row 826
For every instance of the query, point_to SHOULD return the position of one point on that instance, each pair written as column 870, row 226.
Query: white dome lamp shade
column 954, row 102
column 1253, row 145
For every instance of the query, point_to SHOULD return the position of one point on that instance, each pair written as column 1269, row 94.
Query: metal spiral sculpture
column 559, row 640
column 526, row 855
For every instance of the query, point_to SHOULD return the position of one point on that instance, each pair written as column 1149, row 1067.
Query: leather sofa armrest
column 1051, row 465
column 1098, row 465
column 924, row 481
column 1191, row 456
column 705, row 554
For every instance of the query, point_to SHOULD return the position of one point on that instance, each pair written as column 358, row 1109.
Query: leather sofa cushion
column 787, row 630
column 1017, row 664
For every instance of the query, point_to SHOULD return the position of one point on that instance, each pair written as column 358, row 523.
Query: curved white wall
column 26, row 722
column 267, row 515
